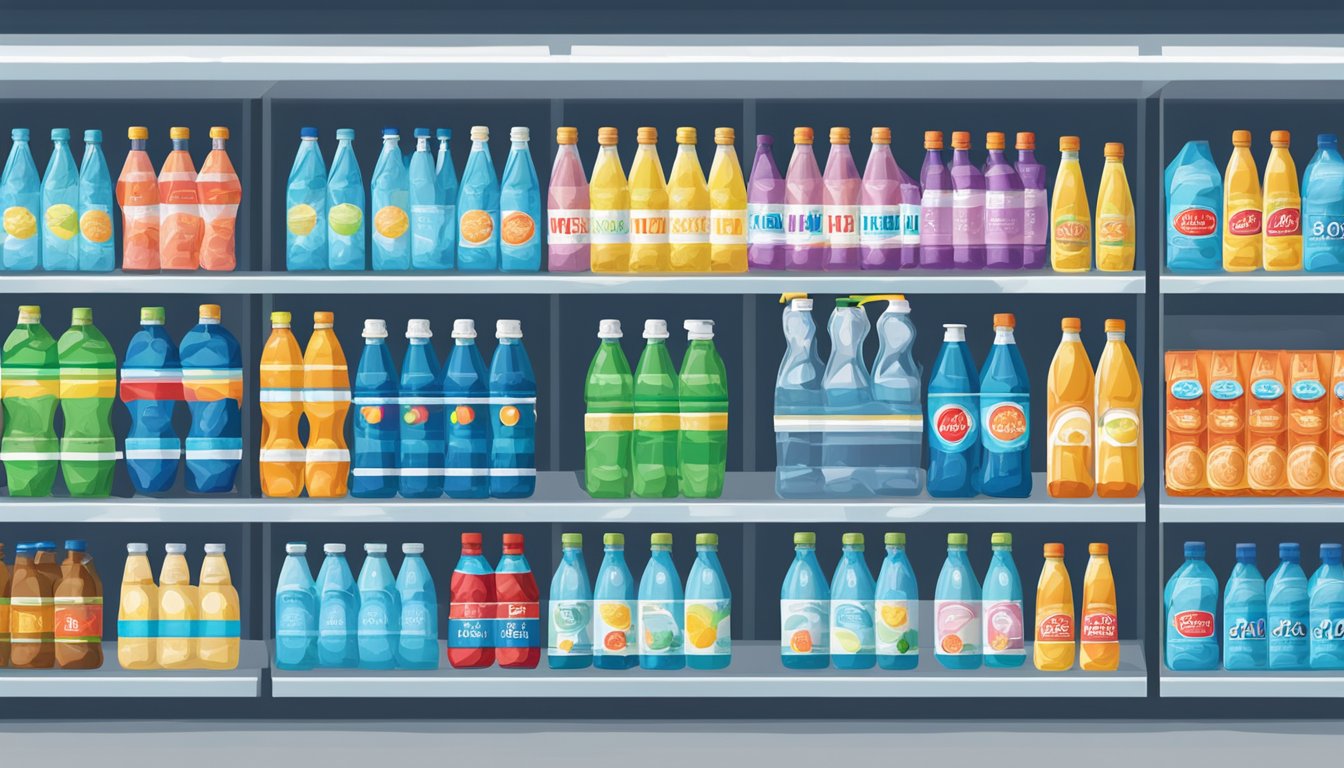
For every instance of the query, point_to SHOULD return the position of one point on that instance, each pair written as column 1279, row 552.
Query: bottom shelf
column 1222, row 684
column 112, row 681
column 755, row 671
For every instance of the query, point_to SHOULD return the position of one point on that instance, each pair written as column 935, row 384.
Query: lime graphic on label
column 302, row 219
column 846, row 640
column 62, row 221
column 346, row 219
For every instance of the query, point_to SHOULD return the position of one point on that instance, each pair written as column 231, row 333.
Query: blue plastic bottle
column 212, row 381
column 1190, row 602
column 427, row 211
column 20, row 207
column 894, row 454
column 466, row 390
column 954, row 418
column 390, row 190
column 421, row 423
column 853, row 639
column 513, row 416
column 418, row 638
column 345, row 207
column 296, row 611
column 569, row 642
column 520, row 209
column 373, row 472
column 1323, row 208
column 615, row 634
column 805, row 609
column 97, row 234
column 1244, row 612
column 447, row 188
column 847, row 390
column 478, row 207
column 957, row 609
column 306, row 207
column 1194, row 200
column 1005, row 416
column 338, row 611
column 661, row 609
column 60, row 207
column 151, row 386
column 1327, row 611
column 896, row 608
column 1288, row 609
column 379, row 611
column 1004, row 628
column 798, row 404
column 709, row 608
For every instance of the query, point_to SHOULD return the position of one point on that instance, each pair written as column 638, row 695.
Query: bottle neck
column 1072, row 336
column 422, row 144
column 519, row 146
column 138, row 145
column 1115, row 336
column 1026, row 156
column 179, row 145
column 1068, row 156
column 1004, row 336
column 216, row 144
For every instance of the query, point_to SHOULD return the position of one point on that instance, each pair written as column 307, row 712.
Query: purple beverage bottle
column 765, row 209
column 840, row 204
column 1035, row 206
column 567, row 207
column 880, row 214
column 804, row 235
column 1003, row 209
column 968, row 206
column 935, row 206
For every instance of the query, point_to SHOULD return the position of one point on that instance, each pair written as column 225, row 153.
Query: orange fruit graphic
column 1185, row 467
column 801, row 641
column 463, row 414
column 96, row 226
column 1307, row 466
column 508, row 415
column 952, row 644
column 614, row 641
column 1337, row 469
column 391, row 222
column 1227, row 466
column 517, row 228
column 476, row 227
column 1265, row 466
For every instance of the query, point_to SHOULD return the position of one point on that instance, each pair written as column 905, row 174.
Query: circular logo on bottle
column 62, row 221
column 301, row 219
column 346, row 219
column 1007, row 422
column 1195, row 222
column 952, row 423
column 96, row 226
column 1244, row 222
column 516, row 228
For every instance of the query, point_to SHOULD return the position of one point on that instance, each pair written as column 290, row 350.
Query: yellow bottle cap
column 1279, row 138
column 802, row 135
column 647, row 135
column 219, row 132
column 785, row 298
column 1071, row 324
column 606, row 136
column 1026, row 140
column 178, row 132
column 209, row 312
column 933, row 139
column 281, row 319
column 1114, row 149
column 725, row 136
column 880, row 135
column 994, row 140
column 839, row 135
column 961, row 140
column 686, row 135
column 137, row 132
column 566, row 135
column 1241, row 138
column 1069, row 144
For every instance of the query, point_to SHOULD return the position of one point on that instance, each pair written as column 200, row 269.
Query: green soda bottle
column 31, row 384
column 88, row 387
column 608, row 423
column 657, row 416
column 703, row 448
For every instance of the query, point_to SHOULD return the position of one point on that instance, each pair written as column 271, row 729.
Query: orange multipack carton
column 1186, row 444
column 1225, row 402
column 1266, row 424
column 1336, row 436
column 1308, row 423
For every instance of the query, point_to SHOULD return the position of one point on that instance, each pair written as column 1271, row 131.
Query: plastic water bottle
column 608, row 421
column 1190, row 600
column 661, row 609
column 798, row 405
column 1244, row 613
column 345, row 207
column 896, row 608
column 615, row 643
column 374, row 474
column 306, row 206
column 20, row 203
column 840, row 204
column 151, row 385
column 1323, row 208
column 478, row 207
column 29, row 445
column 569, row 642
column 709, row 608
column 805, row 609
column 513, row 416
column 60, row 206
column 1035, row 206
column 390, row 189
column 212, row 380
column 447, row 174
column 1004, row 203
column 968, row 206
column 935, row 206
column 1004, row 632
column 88, row 387
column 702, row 389
column 520, row 208
column 894, row 454
column 427, row 208
column 765, row 209
column 418, row 639
column 421, row 449
column 379, row 611
column 1327, row 611
column 296, row 611
column 853, row 638
column 657, row 405
column 97, row 248
column 847, row 389
column 954, row 418
column 466, row 392
column 338, row 611
column 471, row 612
column 1288, row 608
column 518, row 626
column 220, row 193
column 1005, row 416
column 957, row 609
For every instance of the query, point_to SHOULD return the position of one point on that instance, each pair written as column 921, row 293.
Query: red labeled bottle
column 471, row 611
column 518, row 620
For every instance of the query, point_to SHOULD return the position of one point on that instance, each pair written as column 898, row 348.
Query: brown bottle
column 79, row 611
column 32, row 645
column 4, row 610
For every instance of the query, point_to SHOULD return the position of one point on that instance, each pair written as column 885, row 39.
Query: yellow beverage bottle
column 178, row 611
column 1242, row 204
column 1115, row 214
column 217, row 636
column 1099, row 634
column 727, row 207
column 1053, row 649
column 137, row 617
column 609, row 208
column 1070, row 215
column 1069, row 392
column 649, row 248
column 281, row 460
column 1119, row 424
column 687, row 208
column 326, row 403
column 1283, row 208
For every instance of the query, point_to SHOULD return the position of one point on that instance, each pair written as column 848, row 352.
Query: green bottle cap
column 706, row 540
column 661, row 540
column 81, row 316
column 571, row 540
column 852, row 540
column 957, row 539
column 152, row 315
column 613, row 539
column 806, row 538
column 1001, row 540
column 846, row 302
column 895, row 539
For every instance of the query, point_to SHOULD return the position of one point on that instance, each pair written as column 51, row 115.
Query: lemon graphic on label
column 301, row 219
column 346, row 219
column 616, row 616
column 847, row 640
column 894, row 616
column 20, row 222
column 1123, row 430
column 391, row 222
column 700, row 627
column 62, row 221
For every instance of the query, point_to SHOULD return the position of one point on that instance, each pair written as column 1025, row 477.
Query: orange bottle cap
column 802, row 135
column 1241, row 138
column 566, row 135
column 219, row 132
column 606, row 136
column 1071, row 324
column 725, row 136
column 1114, row 149
column 1005, row 320
column 1069, row 144
column 1026, row 140
column 647, row 135
column 961, row 140
column 1279, row 138
column 686, row 135
column 839, row 135
column 933, row 139
column 1115, row 326
column 178, row 132
column 1054, row 549
column 137, row 132
column 209, row 312
column 1097, row 548
column 993, row 140
column 881, row 135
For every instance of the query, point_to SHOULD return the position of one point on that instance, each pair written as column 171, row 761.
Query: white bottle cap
column 519, row 133
column 214, row 549
column 898, row 305
column 508, row 329
column 954, row 331
column 175, row 549
column 464, row 329
column 801, row 305
column 418, row 329
column 334, row 549
column 137, row 548
column 655, row 329
column 296, row 548
column 375, row 329
column 412, row 549
column 609, row 329
column 480, row 133
column 699, row 330
column 376, row 549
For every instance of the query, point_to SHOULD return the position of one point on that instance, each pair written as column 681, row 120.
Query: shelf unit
column 111, row 681
column 1261, row 685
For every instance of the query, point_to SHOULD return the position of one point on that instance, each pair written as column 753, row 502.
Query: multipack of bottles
column 848, row 430
column 423, row 219
column 659, row 432
column 51, row 614
column 175, row 624
column 1255, row 423
column 1285, row 622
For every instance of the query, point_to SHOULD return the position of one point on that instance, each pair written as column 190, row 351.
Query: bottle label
column 968, row 217
column 1308, row 390
column 805, row 626
column 1193, row 624
column 475, row 227
column 1055, row 628
column 688, row 227
column 1267, row 389
column 571, row 628
column 803, row 225
column 1195, row 223
column 660, row 627
column 851, row 628
column 1034, row 216
column 957, row 625
column 613, row 628
column 1328, row 629
column 709, row 627
column 603, row 421
column 1072, row 230
column 765, row 223
column 416, row 620
column 1283, row 222
column 1191, row 389
column 935, row 216
column 727, row 227
column 910, row 224
column 376, row 618
column 79, row 620
column 609, row 227
column 1006, row 424
column 1120, row 427
column 567, row 226
column 1324, row 227
column 1004, row 629
column 1244, row 223
column 471, row 625
column 1113, row 230
column 1071, row 428
column 518, row 625
column 953, row 424
column 897, row 627
column 880, row 225
column 333, row 620
column 842, row 224
column 1003, row 217
column 516, row 228
column 1242, row 628
column 648, row 227
column 1287, row 630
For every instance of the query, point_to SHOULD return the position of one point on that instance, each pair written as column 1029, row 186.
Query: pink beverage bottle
column 567, row 207
column 1003, row 208
column 968, row 206
column 765, row 209
column 840, row 204
column 1035, row 205
column 880, row 217
column 935, row 206
column 804, row 235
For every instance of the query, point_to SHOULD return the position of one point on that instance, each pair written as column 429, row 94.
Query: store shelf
column 1225, row 685
column 1254, row 283
column 756, row 672
column 1234, row 510
column 749, row 497
column 111, row 681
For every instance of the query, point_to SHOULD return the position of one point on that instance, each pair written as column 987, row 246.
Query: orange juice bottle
column 1185, row 424
column 138, row 196
column 1069, row 392
column 1283, row 208
column 1242, row 203
column 1308, row 460
column 1119, row 425
column 326, row 401
column 1115, row 214
column 609, row 213
column 727, row 207
column 1099, row 635
column 281, row 462
column 220, row 195
column 1266, row 438
column 1225, row 402
column 180, row 225
column 1336, row 397
column 1053, row 649
column 688, row 208
column 1070, row 216
column 649, row 248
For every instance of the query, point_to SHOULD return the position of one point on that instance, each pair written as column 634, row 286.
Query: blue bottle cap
column 75, row 545
column 444, row 133
column 45, row 545
column 1331, row 553
column 345, row 134
column 93, row 136
column 1194, row 549
column 422, row 133
column 1246, row 553
column 60, row 134
column 1290, row 551
column 391, row 132
column 19, row 134
column 24, row 546
column 1326, row 139
column 309, row 132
